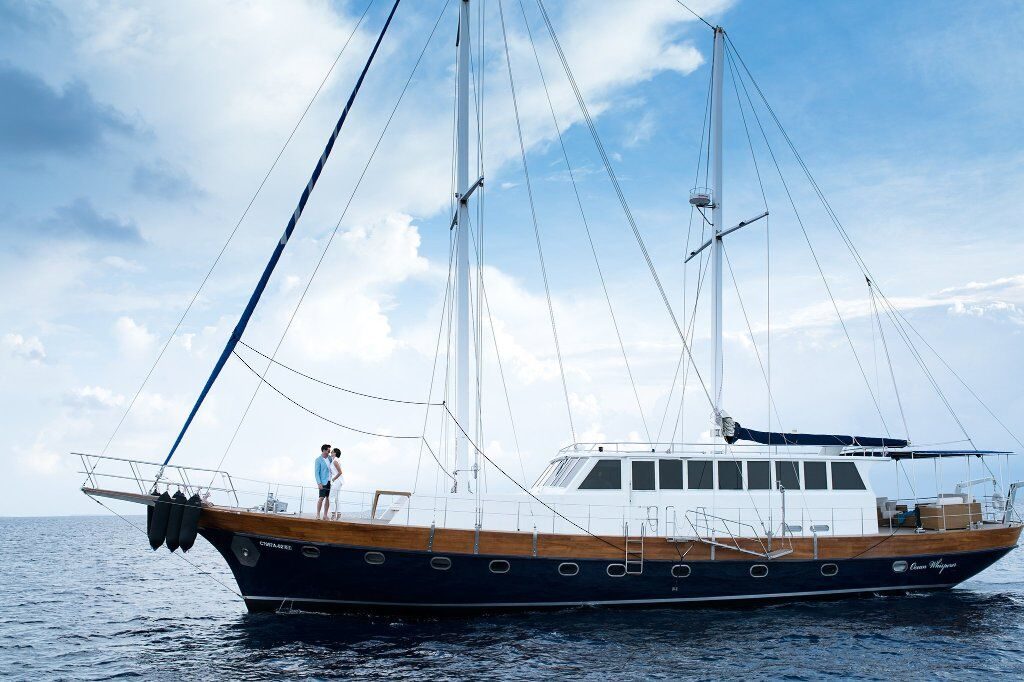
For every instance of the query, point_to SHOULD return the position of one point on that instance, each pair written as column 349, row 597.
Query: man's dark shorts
column 326, row 490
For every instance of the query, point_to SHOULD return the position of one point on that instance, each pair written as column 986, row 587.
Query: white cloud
column 27, row 348
column 346, row 312
column 93, row 397
column 132, row 336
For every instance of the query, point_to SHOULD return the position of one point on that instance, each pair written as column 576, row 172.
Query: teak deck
column 900, row 542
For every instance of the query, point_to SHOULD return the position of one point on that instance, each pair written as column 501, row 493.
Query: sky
column 133, row 137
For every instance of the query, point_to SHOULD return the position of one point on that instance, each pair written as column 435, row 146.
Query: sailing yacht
column 745, row 516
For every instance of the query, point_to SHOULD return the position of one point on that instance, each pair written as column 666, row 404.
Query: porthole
column 616, row 570
column 375, row 558
column 899, row 566
column 441, row 563
column 758, row 571
column 499, row 566
column 680, row 571
column 829, row 570
column 568, row 569
column 311, row 552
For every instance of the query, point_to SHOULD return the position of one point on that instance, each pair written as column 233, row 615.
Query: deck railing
column 494, row 513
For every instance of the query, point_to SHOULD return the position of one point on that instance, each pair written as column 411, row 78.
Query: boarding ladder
column 634, row 550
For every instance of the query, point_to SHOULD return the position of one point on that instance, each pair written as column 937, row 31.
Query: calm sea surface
column 84, row 598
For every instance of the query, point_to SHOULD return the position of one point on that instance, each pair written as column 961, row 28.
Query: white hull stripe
column 612, row 602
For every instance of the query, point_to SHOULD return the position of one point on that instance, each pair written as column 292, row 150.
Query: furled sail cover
column 737, row 432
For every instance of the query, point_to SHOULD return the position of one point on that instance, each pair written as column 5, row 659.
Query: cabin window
column 544, row 476
column 730, row 476
column 569, row 472
column 441, row 563
column 670, row 473
column 846, row 477
column 680, row 571
column 560, row 471
column 375, row 558
column 815, row 476
column 788, row 475
column 643, row 475
column 701, row 474
column 829, row 570
column 759, row 476
column 311, row 552
column 758, row 571
column 499, row 566
column 606, row 475
column 899, row 566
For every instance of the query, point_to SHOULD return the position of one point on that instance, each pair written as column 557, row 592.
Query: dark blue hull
column 274, row 573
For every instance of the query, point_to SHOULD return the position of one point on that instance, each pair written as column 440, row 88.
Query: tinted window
column 846, row 477
column 759, row 476
column 788, row 474
column 606, row 475
column 670, row 471
column 643, row 475
column 814, row 476
column 730, row 476
column 700, row 474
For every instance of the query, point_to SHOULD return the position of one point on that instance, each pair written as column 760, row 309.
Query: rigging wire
column 330, row 385
column 768, row 253
column 180, row 556
column 544, row 504
column 702, row 264
column 316, row 414
column 814, row 256
column 888, row 359
column 954, row 373
column 618, row 191
column 583, row 219
column 234, row 230
column 334, row 232
column 750, row 330
column 687, row 8
column 437, row 353
column 501, row 373
column 533, row 214
column 864, row 267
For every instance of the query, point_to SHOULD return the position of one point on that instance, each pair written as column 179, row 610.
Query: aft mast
column 716, row 237
column 462, row 470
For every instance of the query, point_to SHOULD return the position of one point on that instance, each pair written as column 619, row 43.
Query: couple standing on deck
column 328, row 470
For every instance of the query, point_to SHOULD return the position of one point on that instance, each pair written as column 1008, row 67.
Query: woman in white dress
column 337, row 481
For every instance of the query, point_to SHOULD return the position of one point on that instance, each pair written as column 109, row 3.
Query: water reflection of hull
column 275, row 573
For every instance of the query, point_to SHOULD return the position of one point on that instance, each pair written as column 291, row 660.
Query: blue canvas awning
column 779, row 438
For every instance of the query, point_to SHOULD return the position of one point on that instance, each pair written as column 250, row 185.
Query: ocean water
column 84, row 598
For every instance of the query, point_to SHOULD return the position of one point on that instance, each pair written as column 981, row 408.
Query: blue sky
column 132, row 137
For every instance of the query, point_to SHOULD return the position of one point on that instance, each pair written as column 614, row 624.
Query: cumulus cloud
column 347, row 315
column 131, row 336
column 93, row 398
column 27, row 348
column 45, row 120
